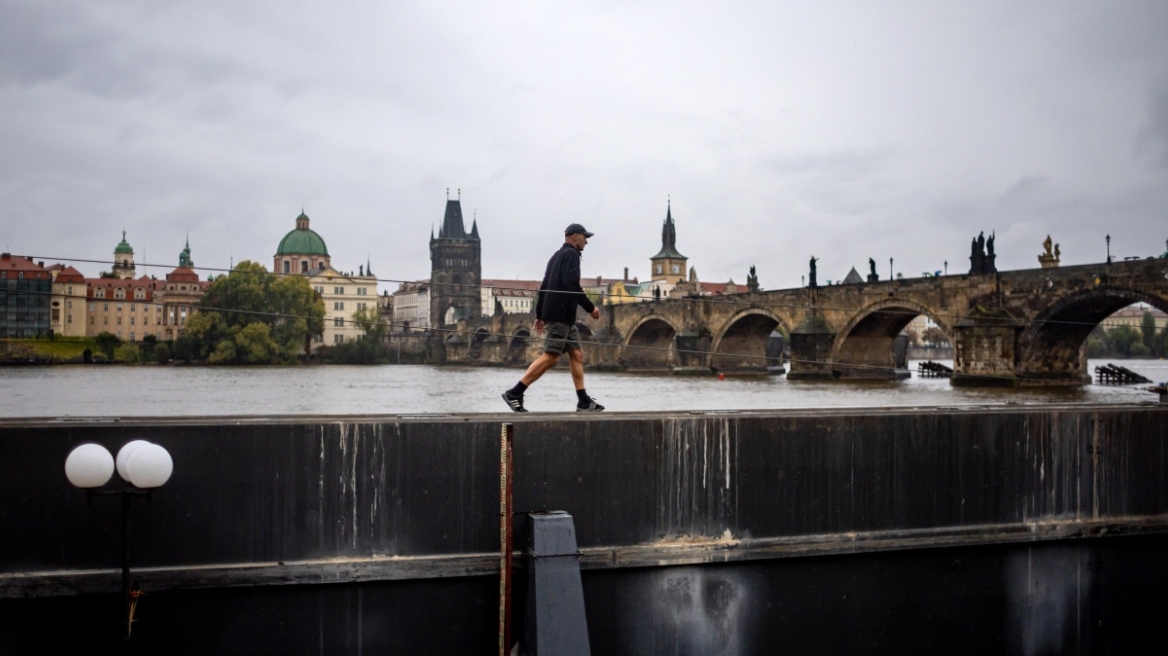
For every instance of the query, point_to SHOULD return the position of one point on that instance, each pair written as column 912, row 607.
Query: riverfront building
column 411, row 306
column 344, row 294
column 512, row 296
column 25, row 289
column 68, row 306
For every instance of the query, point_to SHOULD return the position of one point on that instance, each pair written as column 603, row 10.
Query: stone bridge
column 1026, row 327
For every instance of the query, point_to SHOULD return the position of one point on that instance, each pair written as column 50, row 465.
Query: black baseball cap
column 576, row 228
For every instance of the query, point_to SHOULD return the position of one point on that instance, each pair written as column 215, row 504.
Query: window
column 338, row 305
column 105, row 306
column 360, row 306
column 132, row 320
column 119, row 293
column 361, row 291
column 92, row 307
column 69, row 291
column 69, row 318
column 304, row 267
column 338, row 290
column 119, row 307
column 99, row 292
column 119, row 321
column 339, row 322
column 133, row 307
column 131, row 336
column 675, row 268
column 139, row 293
column 338, row 339
column 287, row 266
column 69, row 305
column 658, row 268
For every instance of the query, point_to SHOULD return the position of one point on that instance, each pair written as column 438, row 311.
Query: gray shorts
column 561, row 337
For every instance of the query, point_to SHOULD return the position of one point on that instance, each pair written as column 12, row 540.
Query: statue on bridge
column 752, row 280
column 872, row 275
column 811, row 276
column 1047, row 259
column 981, row 255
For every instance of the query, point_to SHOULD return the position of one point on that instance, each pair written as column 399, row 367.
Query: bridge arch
column 1053, row 344
column 650, row 344
column 475, row 351
column 742, row 342
column 865, row 342
column 517, row 348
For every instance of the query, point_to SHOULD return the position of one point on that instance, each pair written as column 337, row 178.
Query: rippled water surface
column 81, row 391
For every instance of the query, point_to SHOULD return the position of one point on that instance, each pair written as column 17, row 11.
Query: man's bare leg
column 541, row 366
column 576, row 365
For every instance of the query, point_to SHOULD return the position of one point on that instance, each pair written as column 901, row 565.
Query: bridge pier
column 987, row 354
column 811, row 343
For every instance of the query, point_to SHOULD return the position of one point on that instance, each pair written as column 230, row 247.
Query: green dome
column 302, row 240
column 125, row 246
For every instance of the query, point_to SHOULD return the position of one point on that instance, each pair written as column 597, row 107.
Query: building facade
column 123, row 307
column 343, row 295
column 67, row 310
column 455, row 270
column 411, row 306
column 25, row 289
column 512, row 296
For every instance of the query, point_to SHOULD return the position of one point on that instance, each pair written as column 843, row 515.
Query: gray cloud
column 848, row 132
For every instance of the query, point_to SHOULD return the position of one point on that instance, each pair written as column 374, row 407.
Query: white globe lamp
column 89, row 466
column 124, row 456
column 149, row 466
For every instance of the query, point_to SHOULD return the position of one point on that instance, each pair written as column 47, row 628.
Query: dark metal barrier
column 293, row 535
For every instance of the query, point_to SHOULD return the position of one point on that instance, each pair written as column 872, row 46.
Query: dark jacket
column 560, row 292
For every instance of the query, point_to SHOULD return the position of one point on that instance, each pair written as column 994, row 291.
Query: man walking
column 555, row 311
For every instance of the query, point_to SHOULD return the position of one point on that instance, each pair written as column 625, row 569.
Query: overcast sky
column 779, row 130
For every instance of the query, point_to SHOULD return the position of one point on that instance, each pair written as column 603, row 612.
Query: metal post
column 126, row 559
column 506, row 490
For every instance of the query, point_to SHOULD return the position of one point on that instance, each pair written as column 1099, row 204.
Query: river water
column 138, row 391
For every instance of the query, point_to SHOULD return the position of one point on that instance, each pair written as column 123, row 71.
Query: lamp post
column 890, row 276
column 1108, row 239
column 946, row 267
column 144, row 466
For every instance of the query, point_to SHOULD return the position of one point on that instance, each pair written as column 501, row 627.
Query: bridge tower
column 668, row 265
column 455, row 269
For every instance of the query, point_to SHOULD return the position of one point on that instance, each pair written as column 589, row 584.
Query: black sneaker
column 516, row 402
column 591, row 406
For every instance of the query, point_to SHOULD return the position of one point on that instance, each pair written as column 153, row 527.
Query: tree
column 127, row 353
column 371, row 349
column 935, row 336
column 1122, row 339
column 1148, row 328
column 252, row 317
column 106, row 342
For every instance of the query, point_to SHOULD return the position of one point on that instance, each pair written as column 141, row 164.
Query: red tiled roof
column 182, row 274
column 110, row 284
column 13, row 264
column 68, row 274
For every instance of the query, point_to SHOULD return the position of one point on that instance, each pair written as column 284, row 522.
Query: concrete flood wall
column 1016, row 530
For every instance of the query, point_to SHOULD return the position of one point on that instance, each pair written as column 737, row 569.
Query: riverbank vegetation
column 1129, row 341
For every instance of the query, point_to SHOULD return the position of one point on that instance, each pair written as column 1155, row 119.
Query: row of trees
column 1129, row 341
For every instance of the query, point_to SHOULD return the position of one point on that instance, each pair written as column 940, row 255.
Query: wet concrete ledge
column 258, row 501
